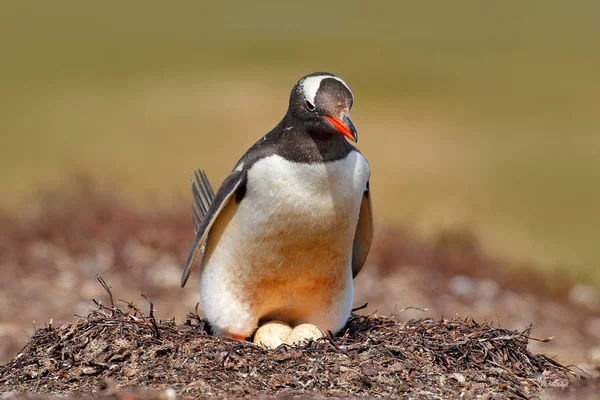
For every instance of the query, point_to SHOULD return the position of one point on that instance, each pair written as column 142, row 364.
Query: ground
column 375, row 356
column 457, row 324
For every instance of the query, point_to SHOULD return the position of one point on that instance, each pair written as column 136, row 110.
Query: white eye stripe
column 311, row 85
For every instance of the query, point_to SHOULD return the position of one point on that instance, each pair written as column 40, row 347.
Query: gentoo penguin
column 291, row 226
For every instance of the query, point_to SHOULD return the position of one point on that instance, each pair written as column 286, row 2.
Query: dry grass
column 49, row 260
column 374, row 356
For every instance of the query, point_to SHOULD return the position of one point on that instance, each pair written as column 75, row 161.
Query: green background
column 482, row 115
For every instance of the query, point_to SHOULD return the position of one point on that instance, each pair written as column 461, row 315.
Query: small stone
column 488, row 288
column 305, row 333
column 461, row 285
column 272, row 334
column 585, row 296
column 593, row 355
column 170, row 394
column 89, row 370
column 592, row 327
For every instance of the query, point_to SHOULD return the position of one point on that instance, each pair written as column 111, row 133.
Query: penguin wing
column 363, row 235
column 206, row 209
column 203, row 195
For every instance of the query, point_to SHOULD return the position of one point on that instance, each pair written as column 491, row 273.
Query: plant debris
column 118, row 347
column 50, row 254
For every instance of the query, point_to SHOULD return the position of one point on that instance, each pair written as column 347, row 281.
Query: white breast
column 305, row 198
column 287, row 246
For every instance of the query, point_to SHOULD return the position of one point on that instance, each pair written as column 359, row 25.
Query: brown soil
column 50, row 258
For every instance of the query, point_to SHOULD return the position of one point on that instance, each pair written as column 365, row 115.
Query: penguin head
column 321, row 102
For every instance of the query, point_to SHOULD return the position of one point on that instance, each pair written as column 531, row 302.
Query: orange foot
column 238, row 337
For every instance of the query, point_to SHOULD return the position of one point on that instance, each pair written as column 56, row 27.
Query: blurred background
column 478, row 115
column 480, row 121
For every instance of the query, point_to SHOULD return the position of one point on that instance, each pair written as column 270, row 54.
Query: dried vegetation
column 125, row 348
column 49, row 261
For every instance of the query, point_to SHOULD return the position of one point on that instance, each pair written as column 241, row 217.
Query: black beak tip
column 348, row 122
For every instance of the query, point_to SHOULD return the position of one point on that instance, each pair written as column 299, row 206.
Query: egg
column 304, row 333
column 272, row 334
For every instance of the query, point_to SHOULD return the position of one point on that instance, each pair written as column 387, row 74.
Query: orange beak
column 344, row 126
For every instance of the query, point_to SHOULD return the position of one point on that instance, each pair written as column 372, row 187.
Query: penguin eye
column 310, row 106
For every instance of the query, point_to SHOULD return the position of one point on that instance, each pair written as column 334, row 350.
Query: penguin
column 291, row 226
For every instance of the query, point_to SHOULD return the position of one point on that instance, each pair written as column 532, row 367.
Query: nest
column 118, row 347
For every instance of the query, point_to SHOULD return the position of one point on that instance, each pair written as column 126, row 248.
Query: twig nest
column 272, row 334
column 304, row 333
